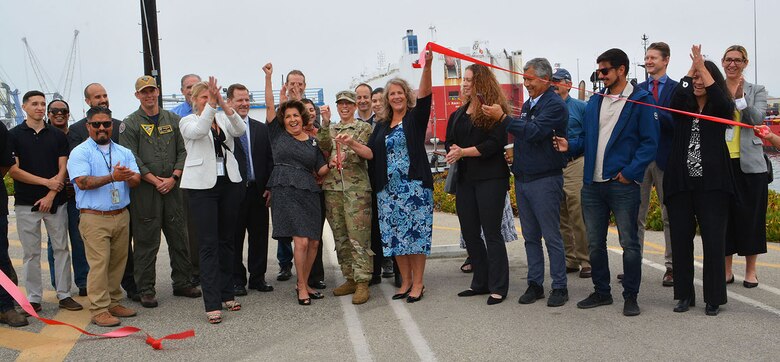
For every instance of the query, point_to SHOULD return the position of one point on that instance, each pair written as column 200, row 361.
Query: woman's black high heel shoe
column 411, row 299
column 402, row 295
column 684, row 304
column 305, row 301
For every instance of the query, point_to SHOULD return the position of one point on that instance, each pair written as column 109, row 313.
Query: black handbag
column 770, row 174
column 450, row 184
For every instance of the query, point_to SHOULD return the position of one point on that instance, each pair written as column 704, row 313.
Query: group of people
column 575, row 164
column 205, row 178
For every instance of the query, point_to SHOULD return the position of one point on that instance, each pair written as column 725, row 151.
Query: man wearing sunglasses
column 103, row 173
column 619, row 139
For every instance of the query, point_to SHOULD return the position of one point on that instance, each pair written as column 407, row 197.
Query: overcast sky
column 333, row 41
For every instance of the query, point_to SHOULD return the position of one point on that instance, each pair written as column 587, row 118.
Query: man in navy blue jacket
column 619, row 140
column 661, row 87
column 538, row 170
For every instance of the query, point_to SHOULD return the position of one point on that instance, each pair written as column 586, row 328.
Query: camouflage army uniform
column 159, row 149
column 348, row 209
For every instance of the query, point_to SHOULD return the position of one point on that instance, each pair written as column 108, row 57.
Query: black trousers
column 480, row 206
column 252, row 219
column 128, row 280
column 376, row 238
column 711, row 210
column 317, row 269
column 215, row 212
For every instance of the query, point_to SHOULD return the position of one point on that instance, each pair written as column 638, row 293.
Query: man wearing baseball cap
column 348, row 195
column 575, row 240
column 152, row 134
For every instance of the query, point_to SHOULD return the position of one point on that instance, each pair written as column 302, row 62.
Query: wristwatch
column 175, row 177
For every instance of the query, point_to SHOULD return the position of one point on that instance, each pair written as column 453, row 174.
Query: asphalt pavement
column 442, row 326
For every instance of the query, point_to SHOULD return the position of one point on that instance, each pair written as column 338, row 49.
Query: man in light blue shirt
column 185, row 108
column 102, row 173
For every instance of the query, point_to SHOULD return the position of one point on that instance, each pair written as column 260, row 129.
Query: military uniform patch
column 122, row 127
column 165, row 129
column 148, row 128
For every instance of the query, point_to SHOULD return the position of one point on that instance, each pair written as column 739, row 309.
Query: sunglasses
column 58, row 111
column 96, row 125
column 605, row 71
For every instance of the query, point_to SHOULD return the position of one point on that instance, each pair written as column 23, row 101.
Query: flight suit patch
column 148, row 128
column 165, row 129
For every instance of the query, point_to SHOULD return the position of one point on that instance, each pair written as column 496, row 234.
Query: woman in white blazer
column 214, row 184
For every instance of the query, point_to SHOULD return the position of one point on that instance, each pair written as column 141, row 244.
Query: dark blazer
column 490, row 144
column 534, row 154
column 716, row 164
column 262, row 159
column 664, row 120
column 78, row 132
column 415, row 123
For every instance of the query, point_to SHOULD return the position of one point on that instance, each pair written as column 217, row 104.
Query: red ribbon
column 449, row 52
column 19, row 297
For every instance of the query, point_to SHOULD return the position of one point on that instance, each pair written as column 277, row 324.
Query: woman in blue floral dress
column 402, row 179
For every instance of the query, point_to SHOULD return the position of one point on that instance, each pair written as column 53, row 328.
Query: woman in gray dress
column 295, row 199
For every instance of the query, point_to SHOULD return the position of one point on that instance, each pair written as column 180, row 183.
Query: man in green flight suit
column 153, row 136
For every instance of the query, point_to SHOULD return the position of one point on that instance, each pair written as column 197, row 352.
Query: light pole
column 644, row 43
column 755, row 45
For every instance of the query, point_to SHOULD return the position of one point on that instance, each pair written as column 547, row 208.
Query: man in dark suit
column 95, row 96
column 661, row 87
column 255, row 163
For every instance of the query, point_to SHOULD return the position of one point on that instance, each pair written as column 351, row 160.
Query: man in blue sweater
column 619, row 139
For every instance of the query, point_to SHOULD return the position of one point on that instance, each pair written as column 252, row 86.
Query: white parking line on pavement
column 409, row 325
column 761, row 286
column 698, row 282
column 354, row 327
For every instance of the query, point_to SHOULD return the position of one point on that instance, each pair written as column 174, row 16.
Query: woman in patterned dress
column 698, row 183
column 403, row 181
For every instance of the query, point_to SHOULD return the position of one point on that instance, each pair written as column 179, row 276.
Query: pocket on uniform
column 193, row 162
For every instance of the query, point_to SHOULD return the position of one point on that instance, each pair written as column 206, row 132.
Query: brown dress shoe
column 148, row 301
column 70, row 304
column 189, row 292
column 13, row 318
column 586, row 272
column 105, row 319
column 668, row 280
column 121, row 311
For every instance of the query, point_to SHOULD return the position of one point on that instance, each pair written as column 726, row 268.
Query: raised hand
column 428, row 58
column 214, row 95
column 325, row 113
column 698, row 59
column 268, row 69
column 283, row 94
column 494, row 112
column 740, row 92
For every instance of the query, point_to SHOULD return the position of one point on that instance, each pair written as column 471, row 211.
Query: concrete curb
column 447, row 251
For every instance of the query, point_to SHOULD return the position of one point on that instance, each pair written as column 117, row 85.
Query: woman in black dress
column 295, row 199
column 698, row 183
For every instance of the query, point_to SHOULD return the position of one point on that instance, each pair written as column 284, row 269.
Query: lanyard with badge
column 114, row 191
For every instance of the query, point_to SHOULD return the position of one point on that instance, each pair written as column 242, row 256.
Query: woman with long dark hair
column 476, row 143
column 698, row 182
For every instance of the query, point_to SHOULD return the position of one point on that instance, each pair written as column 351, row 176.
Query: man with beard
column 253, row 211
column 103, row 173
column 95, row 96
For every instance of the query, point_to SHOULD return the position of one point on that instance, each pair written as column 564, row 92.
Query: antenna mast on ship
column 151, row 42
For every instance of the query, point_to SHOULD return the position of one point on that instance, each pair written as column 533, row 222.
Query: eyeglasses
column 58, row 111
column 96, row 125
column 737, row 61
column 604, row 71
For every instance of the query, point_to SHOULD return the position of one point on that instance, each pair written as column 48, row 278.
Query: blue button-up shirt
column 183, row 109
column 88, row 160
column 576, row 115
column 661, row 82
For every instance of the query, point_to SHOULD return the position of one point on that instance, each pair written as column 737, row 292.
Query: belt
column 104, row 213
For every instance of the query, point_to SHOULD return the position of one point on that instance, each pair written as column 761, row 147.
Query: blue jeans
column 598, row 200
column 538, row 205
column 78, row 257
column 284, row 252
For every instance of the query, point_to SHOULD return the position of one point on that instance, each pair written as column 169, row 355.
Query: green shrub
column 9, row 185
column 445, row 202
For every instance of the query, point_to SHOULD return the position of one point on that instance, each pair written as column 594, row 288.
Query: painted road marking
column 420, row 344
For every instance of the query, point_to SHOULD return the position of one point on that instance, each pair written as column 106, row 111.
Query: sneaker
column 534, row 292
column 668, row 280
column 105, row 319
column 558, row 297
column 70, row 304
column 285, row 273
column 121, row 311
column 630, row 307
column 189, row 292
column 594, row 300
column 13, row 318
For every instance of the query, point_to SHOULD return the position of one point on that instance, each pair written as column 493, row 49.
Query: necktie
column 655, row 89
column 244, row 143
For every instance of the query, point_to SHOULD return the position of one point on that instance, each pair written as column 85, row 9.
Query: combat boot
column 361, row 293
column 347, row 288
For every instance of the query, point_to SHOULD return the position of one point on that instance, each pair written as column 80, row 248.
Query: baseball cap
column 145, row 81
column 346, row 95
column 561, row 74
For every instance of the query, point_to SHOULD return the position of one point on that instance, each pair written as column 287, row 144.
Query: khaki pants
column 654, row 177
column 575, row 240
column 105, row 241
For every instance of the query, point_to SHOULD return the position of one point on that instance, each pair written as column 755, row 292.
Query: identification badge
column 220, row 166
column 114, row 196
column 165, row 129
column 729, row 134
